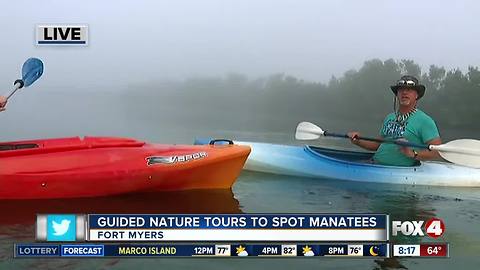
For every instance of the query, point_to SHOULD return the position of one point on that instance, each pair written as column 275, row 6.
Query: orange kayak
column 103, row 166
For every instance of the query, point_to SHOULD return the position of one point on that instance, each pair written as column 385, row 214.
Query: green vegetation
column 360, row 98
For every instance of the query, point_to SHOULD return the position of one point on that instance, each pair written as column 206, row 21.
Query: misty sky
column 138, row 41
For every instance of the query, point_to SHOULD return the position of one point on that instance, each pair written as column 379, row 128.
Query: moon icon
column 374, row 250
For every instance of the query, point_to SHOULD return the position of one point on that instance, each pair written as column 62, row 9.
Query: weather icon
column 307, row 251
column 241, row 251
column 374, row 250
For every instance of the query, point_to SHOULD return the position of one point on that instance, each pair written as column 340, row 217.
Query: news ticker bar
column 207, row 250
column 208, row 228
column 231, row 250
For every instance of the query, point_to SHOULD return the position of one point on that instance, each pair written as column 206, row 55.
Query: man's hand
column 407, row 151
column 353, row 135
column 3, row 103
column 354, row 138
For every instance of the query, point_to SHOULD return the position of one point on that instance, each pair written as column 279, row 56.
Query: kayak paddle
column 32, row 69
column 463, row 152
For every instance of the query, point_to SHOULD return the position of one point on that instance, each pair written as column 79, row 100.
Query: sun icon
column 240, row 249
column 307, row 251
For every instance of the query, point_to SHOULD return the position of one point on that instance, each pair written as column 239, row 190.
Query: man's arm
column 424, row 154
column 368, row 145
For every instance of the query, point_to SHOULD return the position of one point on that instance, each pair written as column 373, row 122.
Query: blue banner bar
column 244, row 221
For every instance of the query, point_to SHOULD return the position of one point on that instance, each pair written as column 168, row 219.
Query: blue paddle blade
column 32, row 70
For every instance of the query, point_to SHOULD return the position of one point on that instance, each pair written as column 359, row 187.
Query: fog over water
column 141, row 41
column 135, row 46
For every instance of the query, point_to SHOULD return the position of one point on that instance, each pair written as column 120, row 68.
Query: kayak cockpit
column 345, row 155
column 7, row 147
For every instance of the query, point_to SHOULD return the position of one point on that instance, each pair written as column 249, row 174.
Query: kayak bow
column 102, row 166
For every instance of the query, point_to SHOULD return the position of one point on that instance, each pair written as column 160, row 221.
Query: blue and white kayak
column 319, row 162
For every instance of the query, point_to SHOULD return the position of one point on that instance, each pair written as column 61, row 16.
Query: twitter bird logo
column 61, row 228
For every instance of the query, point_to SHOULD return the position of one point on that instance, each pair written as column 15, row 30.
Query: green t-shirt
column 419, row 128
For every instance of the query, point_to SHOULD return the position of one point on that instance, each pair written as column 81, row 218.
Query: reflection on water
column 458, row 207
column 196, row 201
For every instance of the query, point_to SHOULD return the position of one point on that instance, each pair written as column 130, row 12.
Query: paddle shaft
column 17, row 86
column 402, row 143
column 464, row 152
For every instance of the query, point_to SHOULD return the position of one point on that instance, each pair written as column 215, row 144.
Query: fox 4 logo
column 433, row 228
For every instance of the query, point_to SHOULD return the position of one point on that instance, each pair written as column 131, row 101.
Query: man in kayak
column 3, row 103
column 407, row 123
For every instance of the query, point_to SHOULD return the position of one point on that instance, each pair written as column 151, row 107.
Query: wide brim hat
column 409, row 82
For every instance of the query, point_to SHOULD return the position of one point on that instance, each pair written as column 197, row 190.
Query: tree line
column 278, row 102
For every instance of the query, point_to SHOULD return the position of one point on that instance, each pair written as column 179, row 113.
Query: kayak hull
column 317, row 162
column 72, row 167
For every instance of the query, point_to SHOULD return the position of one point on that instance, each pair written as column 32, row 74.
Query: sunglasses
column 406, row 82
